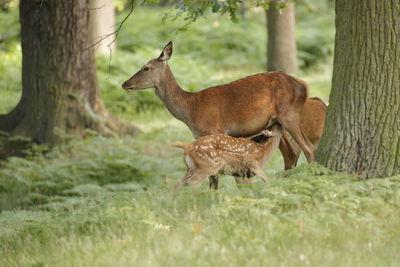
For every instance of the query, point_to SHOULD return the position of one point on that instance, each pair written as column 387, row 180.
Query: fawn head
column 273, row 131
column 151, row 74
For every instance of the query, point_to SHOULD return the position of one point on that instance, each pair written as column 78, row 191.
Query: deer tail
column 180, row 145
column 301, row 89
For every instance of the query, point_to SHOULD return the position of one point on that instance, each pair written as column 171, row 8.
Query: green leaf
column 216, row 7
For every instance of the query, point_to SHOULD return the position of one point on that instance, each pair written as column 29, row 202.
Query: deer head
column 152, row 74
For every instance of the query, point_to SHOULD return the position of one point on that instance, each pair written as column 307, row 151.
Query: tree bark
column 102, row 14
column 281, row 41
column 362, row 128
column 60, row 94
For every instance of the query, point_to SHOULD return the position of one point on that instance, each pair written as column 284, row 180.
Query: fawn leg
column 196, row 178
column 193, row 178
column 239, row 179
column 181, row 183
column 213, row 182
column 243, row 177
column 254, row 167
column 249, row 180
column 243, row 180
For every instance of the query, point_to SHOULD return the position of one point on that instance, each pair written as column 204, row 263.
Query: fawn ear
column 167, row 52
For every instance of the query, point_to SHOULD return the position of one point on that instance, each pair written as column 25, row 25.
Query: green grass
column 108, row 202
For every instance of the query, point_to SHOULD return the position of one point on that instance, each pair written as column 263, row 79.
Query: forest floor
column 108, row 201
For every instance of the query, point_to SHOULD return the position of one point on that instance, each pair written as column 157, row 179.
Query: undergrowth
column 108, row 202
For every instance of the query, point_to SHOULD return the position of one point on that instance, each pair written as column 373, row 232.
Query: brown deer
column 241, row 108
column 222, row 154
column 312, row 120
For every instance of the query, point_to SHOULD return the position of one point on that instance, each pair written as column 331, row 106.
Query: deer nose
column 124, row 84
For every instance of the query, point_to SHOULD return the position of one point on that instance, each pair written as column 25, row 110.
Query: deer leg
column 181, row 183
column 296, row 154
column 249, row 179
column 193, row 178
column 249, row 175
column 239, row 179
column 213, row 179
column 213, row 182
column 255, row 167
column 291, row 123
column 196, row 178
column 260, row 173
column 290, row 152
column 244, row 177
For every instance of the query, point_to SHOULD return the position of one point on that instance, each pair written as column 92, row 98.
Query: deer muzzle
column 128, row 86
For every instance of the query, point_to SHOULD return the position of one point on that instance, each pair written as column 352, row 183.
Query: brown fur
column 312, row 124
column 215, row 154
column 241, row 108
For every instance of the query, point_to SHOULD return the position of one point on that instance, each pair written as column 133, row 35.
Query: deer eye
column 145, row 68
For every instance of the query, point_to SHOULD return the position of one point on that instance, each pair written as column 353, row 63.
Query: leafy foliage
column 213, row 50
column 194, row 9
column 36, row 182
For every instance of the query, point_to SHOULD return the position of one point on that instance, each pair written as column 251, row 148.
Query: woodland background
column 103, row 200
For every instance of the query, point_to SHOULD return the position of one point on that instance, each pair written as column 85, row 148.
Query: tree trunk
column 102, row 14
column 59, row 85
column 281, row 41
column 362, row 129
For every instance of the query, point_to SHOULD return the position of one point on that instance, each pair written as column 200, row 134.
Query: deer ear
column 167, row 52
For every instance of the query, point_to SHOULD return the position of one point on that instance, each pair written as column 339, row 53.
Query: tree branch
column 115, row 33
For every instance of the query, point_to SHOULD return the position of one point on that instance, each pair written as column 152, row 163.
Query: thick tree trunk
column 362, row 129
column 102, row 14
column 281, row 41
column 60, row 94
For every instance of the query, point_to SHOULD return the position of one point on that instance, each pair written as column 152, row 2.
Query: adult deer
column 240, row 109
column 312, row 120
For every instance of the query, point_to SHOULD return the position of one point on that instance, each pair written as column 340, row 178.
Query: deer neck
column 174, row 98
column 267, row 148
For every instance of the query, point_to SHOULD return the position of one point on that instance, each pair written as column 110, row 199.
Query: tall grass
column 107, row 202
column 309, row 216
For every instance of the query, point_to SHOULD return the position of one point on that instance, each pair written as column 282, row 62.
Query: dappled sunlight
column 10, row 79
